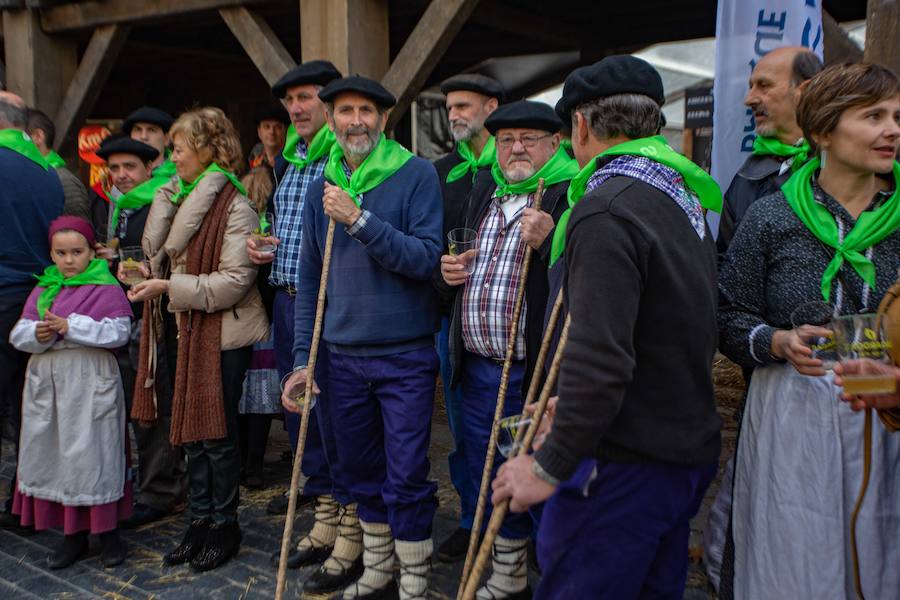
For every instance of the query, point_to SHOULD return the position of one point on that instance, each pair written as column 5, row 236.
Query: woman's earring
column 822, row 157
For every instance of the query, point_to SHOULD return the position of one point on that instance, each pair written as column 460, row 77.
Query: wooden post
column 353, row 34
column 259, row 42
column 882, row 39
column 839, row 46
column 39, row 67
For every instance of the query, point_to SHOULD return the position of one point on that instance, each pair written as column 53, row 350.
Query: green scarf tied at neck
column 165, row 169
column 52, row 280
column 385, row 159
column 320, row 146
column 871, row 227
column 654, row 148
column 470, row 164
column 54, row 160
column 138, row 196
column 18, row 141
column 772, row 146
column 185, row 189
column 560, row 167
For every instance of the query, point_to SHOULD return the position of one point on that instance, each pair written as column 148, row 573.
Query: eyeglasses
column 529, row 141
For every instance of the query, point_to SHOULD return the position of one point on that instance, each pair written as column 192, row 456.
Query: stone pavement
column 23, row 571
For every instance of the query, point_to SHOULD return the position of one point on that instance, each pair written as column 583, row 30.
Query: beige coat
column 231, row 289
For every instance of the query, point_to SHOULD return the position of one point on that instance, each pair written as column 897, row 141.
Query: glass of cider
column 863, row 337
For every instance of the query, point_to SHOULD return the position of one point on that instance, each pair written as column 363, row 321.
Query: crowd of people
column 182, row 301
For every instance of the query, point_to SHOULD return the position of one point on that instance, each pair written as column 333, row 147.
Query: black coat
column 536, row 286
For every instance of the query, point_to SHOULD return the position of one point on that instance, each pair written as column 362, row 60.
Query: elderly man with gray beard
column 501, row 209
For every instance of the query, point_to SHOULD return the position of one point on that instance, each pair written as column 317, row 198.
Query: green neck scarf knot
column 561, row 167
column 470, row 163
column 772, row 146
column 52, row 280
column 320, row 146
column 385, row 159
column 185, row 189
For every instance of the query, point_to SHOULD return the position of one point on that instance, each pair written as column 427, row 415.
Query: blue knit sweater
column 30, row 198
column 379, row 297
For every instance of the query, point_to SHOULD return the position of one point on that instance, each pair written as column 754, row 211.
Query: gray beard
column 464, row 136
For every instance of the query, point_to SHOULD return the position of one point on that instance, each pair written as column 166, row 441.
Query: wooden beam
column 89, row 79
column 259, row 41
column 839, row 46
column 83, row 15
column 882, row 40
column 352, row 34
column 423, row 49
column 517, row 22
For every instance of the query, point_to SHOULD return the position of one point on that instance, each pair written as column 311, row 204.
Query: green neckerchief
column 185, row 189
column 54, row 160
column 18, row 141
column 140, row 195
column 772, row 146
column 320, row 146
column 656, row 149
column 165, row 169
column 385, row 159
column 97, row 273
column 470, row 164
column 871, row 227
column 560, row 167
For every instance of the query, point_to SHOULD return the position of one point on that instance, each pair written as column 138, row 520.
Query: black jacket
column 757, row 177
column 536, row 286
column 635, row 383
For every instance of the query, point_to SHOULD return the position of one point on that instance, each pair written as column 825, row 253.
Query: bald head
column 13, row 112
column 775, row 86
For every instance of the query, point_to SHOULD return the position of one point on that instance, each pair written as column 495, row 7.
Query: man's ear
column 491, row 105
column 580, row 128
column 38, row 137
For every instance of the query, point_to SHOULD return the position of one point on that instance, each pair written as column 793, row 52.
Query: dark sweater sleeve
column 599, row 359
column 414, row 254
column 309, row 272
column 744, row 334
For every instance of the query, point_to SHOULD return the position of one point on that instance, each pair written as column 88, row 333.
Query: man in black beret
column 633, row 438
column 151, row 126
column 335, row 537
column 271, row 127
column 379, row 327
column 470, row 99
column 500, row 208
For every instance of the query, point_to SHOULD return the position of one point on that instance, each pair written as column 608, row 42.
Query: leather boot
column 73, row 547
column 191, row 544
column 222, row 544
column 113, row 551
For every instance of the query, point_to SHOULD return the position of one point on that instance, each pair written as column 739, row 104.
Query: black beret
column 148, row 114
column 312, row 72
column 272, row 113
column 524, row 114
column 620, row 74
column 121, row 144
column 473, row 82
column 361, row 85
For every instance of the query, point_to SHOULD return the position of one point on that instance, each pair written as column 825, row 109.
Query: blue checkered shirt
column 289, row 197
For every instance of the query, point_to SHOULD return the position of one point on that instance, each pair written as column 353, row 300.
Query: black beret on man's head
column 360, row 85
column 524, row 114
column 619, row 74
column 272, row 113
column 313, row 72
column 148, row 114
column 121, row 144
column 473, row 82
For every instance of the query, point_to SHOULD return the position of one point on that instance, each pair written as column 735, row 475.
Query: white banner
column 745, row 31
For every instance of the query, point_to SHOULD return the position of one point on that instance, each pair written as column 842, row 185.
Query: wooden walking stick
column 501, row 399
column 304, row 416
column 493, row 528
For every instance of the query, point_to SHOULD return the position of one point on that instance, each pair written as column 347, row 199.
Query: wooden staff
column 501, row 509
column 304, row 416
column 501, row 399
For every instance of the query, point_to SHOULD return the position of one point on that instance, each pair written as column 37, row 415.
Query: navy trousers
column 620, row 531
column 459, row 466
column 315, row 459
column 478, row 393
column 381, row 406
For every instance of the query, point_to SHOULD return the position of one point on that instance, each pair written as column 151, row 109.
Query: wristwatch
column 543, row 475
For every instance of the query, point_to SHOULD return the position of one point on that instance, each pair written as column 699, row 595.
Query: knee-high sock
column 510, row 571
column 325, row 529
column 378, row 558
column 349, row 543
column 415, row 565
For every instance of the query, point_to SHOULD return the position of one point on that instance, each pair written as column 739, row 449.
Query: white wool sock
column 325, row 529
column 415, row 565
column 378, row 559
column 349, row 543
column 510, row 572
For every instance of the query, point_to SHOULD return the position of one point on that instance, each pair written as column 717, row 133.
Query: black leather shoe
column 191, row 544
column 523, row 595
column 142, row 515
column 454, row 548
column 322, row 582
column 113, row 551
column 388, row 592
column 222, row 543
column 72, row 548
column 279, row 504
column 302, row 558
column 11, row 523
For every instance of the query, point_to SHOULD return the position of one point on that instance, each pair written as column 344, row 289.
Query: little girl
column 72, row 461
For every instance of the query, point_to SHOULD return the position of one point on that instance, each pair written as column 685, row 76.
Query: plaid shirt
column 289, row 197
column 489, row 294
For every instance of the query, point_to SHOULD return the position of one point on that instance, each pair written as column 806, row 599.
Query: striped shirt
column 489, row 294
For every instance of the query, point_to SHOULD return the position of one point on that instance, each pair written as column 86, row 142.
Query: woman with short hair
column 195, row 237
column 830, row 236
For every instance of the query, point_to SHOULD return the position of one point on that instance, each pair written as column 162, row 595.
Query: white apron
column 797, row 475
column 72, row 447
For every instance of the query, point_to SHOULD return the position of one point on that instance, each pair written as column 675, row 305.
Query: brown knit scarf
column 198, row 412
